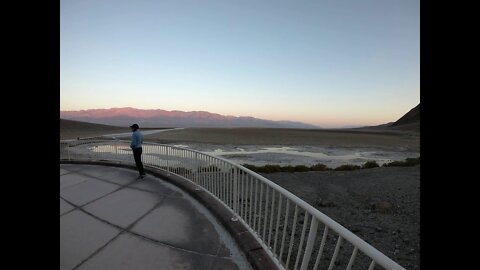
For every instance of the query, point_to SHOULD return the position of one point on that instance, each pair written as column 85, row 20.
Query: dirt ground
column 261, row 136
column 73, row 129
column 380, row 205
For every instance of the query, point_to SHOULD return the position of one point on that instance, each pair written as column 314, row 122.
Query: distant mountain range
column 124, row 117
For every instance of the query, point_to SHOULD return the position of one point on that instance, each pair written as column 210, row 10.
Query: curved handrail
column 228, row 190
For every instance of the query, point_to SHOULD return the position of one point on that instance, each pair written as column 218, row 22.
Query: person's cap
column 134, row 126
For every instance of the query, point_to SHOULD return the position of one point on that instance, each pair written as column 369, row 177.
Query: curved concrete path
column 109, row 220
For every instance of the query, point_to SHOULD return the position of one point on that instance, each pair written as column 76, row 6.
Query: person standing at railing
column 136, row 145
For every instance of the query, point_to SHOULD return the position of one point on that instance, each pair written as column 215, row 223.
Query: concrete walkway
column 109, row 220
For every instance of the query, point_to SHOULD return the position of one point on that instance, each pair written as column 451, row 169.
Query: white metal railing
column 286, row 226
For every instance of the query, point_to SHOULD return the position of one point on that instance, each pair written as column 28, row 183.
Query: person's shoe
column 143, row 176
column 140, row 177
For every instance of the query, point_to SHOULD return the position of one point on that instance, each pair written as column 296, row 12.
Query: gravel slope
column 380, row 205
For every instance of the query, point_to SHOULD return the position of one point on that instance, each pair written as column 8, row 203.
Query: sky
column 330, row 63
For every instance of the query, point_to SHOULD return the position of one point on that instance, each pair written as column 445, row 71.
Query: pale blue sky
column 329, row 63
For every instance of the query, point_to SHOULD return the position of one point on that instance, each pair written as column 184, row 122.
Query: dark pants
column 137, row 155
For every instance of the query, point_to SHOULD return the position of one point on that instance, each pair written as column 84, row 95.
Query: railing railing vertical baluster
column 245, row 196
column 188, row 173
column 242, row 193
column 320, row 250
column 181, row 170
column 195, row 166
column 224, row 184
column 164, row 157
column 180, row 157
column 239, row 190
column 228, row 185
column 204, row 171
column 210, row 175
column 227, row 182
column 265, row 218
column 214, row 177
column 352, row 258
column 300, row 245
column 292, row 236
column 184, row 161
column 271, row 217
column 255, row 228
column 259, row 228
column 168, row 157
column 200, row 169
column 207, row 171
column 278, row 222
column 217, row 178
column 235, row 190
column 309, row 248
column 218, row 183
column 284, row 231
column 335, row 253
column 250, row 180
column 174, row 161
column 157, row 156
column 175, row 155
column 232, row 196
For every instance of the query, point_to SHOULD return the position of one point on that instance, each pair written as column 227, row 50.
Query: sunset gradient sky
column 328, row 63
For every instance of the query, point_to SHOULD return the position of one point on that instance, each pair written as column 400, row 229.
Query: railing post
column 68, row 151
column 235, row 170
